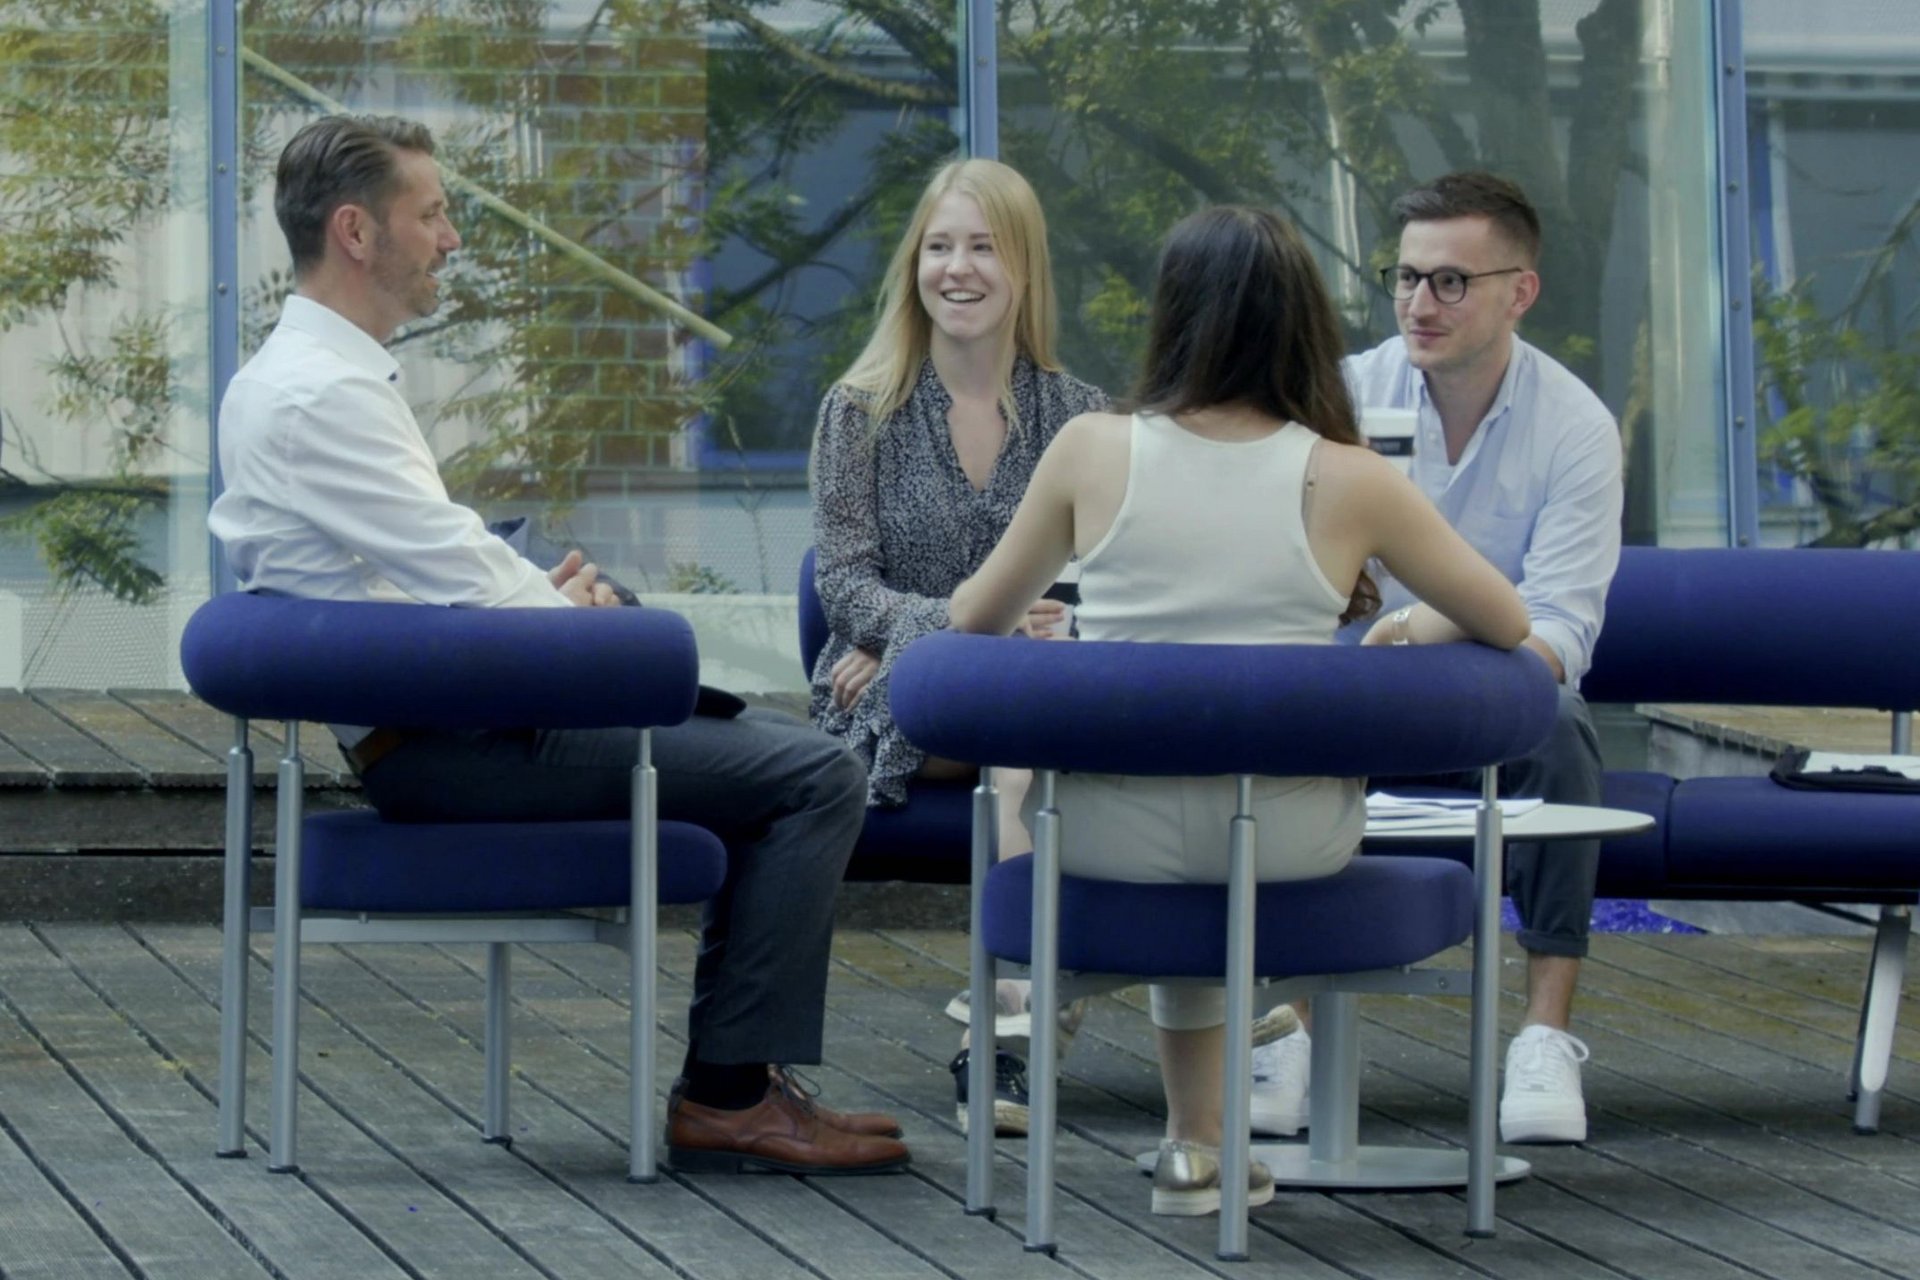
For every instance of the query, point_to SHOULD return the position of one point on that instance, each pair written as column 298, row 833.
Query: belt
column 372, row 749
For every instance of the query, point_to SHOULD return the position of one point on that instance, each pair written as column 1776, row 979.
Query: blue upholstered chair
column 1165, row 710
column 924, row 841
column 350, row 877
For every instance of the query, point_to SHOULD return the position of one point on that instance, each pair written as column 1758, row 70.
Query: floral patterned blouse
column 898, row 526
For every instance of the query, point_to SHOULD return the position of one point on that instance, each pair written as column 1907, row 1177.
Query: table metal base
column 1370, row 1169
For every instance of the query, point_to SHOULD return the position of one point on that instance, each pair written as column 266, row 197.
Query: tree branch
column 796, row 255
column 826, row 68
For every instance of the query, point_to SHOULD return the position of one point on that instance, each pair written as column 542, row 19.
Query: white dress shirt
column 1537, row 490
column 330, row 491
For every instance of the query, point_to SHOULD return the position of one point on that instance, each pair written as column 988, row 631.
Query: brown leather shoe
column 806, row 1094
column 776, row 1135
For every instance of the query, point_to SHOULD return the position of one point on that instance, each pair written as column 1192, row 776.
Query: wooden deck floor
column 1720, row 1142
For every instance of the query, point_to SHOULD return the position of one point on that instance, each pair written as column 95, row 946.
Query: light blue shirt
column 1537, row 490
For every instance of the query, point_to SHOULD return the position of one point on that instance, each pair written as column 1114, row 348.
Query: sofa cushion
column 1379, row 912
column 353, row 861
column 928, row 840
column 1754, row 832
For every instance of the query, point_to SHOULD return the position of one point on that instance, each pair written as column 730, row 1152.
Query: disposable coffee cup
column 1390, row 432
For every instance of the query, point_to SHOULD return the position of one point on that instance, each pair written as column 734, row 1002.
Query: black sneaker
column 1009, row 1093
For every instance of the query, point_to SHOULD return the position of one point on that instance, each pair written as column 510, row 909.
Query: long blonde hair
column 886, row 370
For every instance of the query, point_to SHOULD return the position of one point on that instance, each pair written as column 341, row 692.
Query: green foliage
column 1842, row 413
column 89, row 537
column 691, row 577
column 662, row 133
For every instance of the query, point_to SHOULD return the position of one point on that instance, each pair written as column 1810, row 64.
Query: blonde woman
column 923, row 450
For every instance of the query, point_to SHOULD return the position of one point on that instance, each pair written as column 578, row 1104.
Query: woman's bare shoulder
column 1098, row 425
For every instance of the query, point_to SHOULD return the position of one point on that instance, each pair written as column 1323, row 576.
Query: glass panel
column 750, row 165
column 1834, row 129
column 103, row 340
column 1125, row 117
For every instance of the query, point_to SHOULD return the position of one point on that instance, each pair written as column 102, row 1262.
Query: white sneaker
column 1280, row 1084
column 1541, row 1101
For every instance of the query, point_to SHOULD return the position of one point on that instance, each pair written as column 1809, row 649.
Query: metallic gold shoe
column 1186, row 1180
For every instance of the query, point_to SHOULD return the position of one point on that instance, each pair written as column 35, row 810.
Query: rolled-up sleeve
column 860, row 606
column 1575, row 547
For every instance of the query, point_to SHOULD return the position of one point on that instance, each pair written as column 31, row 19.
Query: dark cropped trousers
column 1552, row 884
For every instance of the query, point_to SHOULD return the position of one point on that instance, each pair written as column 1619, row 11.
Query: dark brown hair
column 339, row 160
column 1241, row 316
column 1475, row 194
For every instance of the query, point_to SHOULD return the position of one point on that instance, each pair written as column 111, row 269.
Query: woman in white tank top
column 1237, row 505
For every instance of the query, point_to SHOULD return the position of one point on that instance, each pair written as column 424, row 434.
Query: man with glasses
column 1524, row 461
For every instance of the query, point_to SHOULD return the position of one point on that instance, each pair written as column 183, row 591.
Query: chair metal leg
column 1482, row 1105
column 499, row 1043
column 982, row 1043
column 1880, row 1010
column 644, row 923
column 1042, row 1081
column 1236, row 1118
column 233, row 947
column 283, row 1154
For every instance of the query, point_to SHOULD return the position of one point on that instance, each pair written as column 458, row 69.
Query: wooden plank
column 892, row 1053
column 1424, row 1087
column 1725, row 1149
column 156, row 1224
column 71, row 758
column 46, row 1236
column 20, row 771
column 84, row 821
column 1821, row 1002
column 441, row 1202
column 162, row 758
column 285, row 1222
column 723, row 1227
column 319, row 751
column 212, row 732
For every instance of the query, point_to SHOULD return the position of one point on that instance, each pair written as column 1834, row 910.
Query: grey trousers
column 1551, row 884
column 787, row 800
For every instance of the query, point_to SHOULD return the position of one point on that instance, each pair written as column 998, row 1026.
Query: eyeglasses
column 1448, row 285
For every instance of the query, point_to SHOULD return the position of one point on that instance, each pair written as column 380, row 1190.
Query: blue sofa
column 1779, row 627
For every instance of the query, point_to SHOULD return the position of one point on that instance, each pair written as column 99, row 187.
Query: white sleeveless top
column 1209, row 545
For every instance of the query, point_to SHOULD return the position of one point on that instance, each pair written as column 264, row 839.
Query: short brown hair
column 1475, row 194
column 339, row 160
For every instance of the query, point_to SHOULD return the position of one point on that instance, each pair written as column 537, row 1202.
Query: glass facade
column 676, row 214
column 624, row 173
column 1127, row 118
column 1833, row 120
column 103, row 340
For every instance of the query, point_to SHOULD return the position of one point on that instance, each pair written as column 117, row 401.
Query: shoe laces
column 1010, row 1072
column 1545, row 1058
column 799, row 1089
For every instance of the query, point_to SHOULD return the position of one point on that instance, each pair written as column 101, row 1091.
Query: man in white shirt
column 1524, row 461
column 332, row 493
